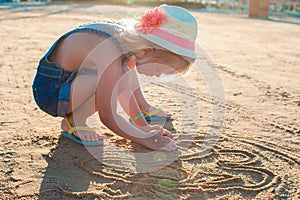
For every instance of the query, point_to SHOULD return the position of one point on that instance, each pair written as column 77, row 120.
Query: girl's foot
column 88, row 135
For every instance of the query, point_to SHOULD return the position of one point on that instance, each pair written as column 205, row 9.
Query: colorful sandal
column 72, row 137
column 150, row 116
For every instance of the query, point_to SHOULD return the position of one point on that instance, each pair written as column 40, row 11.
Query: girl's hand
column 162, row 131
column 159, row 142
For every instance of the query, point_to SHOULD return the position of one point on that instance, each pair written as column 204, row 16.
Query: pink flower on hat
column 151, row 19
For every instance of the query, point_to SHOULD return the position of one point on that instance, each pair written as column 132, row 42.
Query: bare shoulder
column 81, row 47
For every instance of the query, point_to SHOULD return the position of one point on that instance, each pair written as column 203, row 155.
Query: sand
column 255, row 155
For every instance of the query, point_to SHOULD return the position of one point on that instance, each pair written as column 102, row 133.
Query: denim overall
column 52, row 84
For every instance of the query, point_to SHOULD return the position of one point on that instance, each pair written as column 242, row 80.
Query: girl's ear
column 131, row 63
column 145, row 52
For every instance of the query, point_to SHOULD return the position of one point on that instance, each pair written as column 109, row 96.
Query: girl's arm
column 140, row 99
column 128, row 100
column 106, row 102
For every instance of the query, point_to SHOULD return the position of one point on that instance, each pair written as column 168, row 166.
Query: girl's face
column 155, row 62
column 154, row 69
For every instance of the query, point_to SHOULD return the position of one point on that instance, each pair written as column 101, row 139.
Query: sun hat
column 171, row 27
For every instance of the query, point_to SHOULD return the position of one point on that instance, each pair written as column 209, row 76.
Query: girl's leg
column 142, row 102
column 83, row 87
column 78, row 118
column 135, row 87
column 82, row 105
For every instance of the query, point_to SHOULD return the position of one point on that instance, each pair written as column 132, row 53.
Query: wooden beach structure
column 259, row 8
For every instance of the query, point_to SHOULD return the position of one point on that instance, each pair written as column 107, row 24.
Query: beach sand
column 255, row 156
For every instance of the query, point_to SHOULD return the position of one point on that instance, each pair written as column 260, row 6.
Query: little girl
column 92, row 67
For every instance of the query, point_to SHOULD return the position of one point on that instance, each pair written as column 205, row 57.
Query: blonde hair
column 132, row 42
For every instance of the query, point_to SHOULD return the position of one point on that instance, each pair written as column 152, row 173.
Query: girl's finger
column 156, row 127
column 167, row 134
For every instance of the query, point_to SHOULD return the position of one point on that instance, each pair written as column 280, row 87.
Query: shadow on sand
column 115, row 170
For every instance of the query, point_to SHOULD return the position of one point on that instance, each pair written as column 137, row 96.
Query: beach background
column 255, row 156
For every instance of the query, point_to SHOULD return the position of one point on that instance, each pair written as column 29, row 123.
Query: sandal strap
column 152, row 113
column 68, row 123
column 80, row 128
